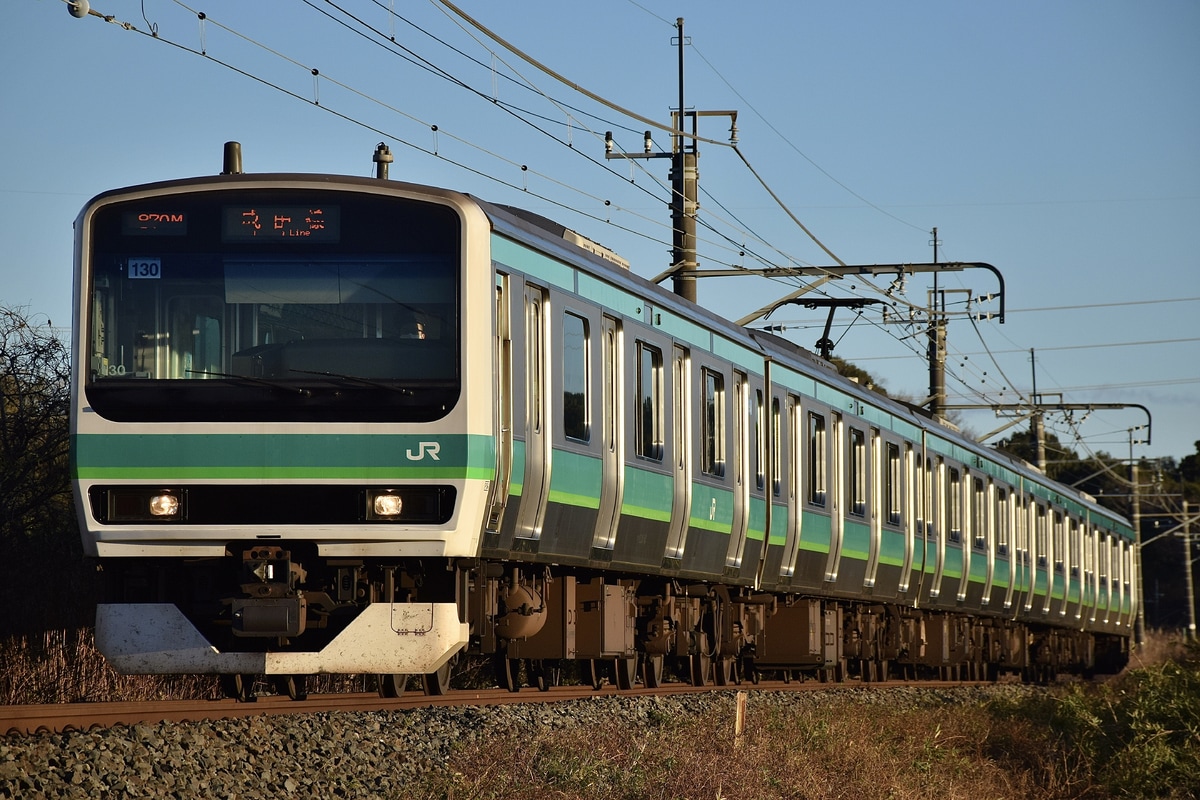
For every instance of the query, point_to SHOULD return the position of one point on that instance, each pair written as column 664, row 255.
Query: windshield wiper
column 357, row 380
column 279, row 387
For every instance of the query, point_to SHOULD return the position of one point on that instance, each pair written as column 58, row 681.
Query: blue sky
column 1058, row 141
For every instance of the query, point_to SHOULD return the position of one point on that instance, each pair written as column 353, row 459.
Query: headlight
column 384, row 504
column 164, row 505
column 130, row 504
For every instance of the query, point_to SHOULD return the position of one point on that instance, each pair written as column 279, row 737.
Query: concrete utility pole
column 1187, row 566
column 685, row 182
column 1139, row 625
column 937, row 343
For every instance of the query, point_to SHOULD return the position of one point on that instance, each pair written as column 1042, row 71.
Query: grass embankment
column 1137, row 736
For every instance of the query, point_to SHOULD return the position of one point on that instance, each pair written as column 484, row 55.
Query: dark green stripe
column 278, row 456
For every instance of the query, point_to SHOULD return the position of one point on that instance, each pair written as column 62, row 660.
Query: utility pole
column 685, row 182
column 1139, row 626
column 1187, row 566
column 937, row 343
column 685, row 179
column 1037, row 423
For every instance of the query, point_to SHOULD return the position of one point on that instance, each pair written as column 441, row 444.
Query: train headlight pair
column 384, row 504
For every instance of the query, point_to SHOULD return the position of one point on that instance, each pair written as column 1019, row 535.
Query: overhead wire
column 520, row 114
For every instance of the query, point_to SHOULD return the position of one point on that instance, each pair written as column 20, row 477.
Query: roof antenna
column 382, row 158
column 233, row 159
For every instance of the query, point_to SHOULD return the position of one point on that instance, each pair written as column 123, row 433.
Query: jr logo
column 425, row 448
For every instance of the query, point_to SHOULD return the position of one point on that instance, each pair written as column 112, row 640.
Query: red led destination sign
column 281, row 223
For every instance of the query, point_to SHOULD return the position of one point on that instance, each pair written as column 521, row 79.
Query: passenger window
column 649, row 442
column 575, row 360
column 892, row 490
column 712, row 423
column 858, row 472
column 816, row 459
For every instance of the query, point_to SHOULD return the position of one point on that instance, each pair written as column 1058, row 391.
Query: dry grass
column 1136, row 736
column 844, row 750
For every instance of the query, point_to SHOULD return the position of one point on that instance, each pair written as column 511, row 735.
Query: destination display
column 271, row 223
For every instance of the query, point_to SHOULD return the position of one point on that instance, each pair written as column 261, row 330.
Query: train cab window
column 575, row 360
column 1003, row 522
column 954, row 505
column 712, row 424
column 272, row 304
column 816, row 459
column 649, row 433
column 857, row 465
column 892, row 488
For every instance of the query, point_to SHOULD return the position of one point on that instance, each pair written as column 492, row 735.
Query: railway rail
column 18, row 720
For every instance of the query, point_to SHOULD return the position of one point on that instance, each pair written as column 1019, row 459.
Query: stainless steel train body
column 333, row 424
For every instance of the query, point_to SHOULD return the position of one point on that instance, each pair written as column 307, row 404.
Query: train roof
column 556, row 239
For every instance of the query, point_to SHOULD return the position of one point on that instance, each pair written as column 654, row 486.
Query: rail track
column 20, row 720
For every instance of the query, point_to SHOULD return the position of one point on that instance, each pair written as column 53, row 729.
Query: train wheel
column 626, row 671
column 437, row 683
column 294, row 686
column 544, row 674
column 652, row 670
column 592, row 673
column 700, row 666
column 725, row 671
column 239, row 687
column 392, row 685
column 508, row 673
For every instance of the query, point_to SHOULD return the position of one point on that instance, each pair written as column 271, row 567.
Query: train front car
column 277, row 456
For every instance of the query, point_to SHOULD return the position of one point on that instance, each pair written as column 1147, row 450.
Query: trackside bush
column 1138, row 736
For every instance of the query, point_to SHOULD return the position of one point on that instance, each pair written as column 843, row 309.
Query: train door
column 536, row 482
column 1045, row 555
column 960, row 537
column 1103, row 577
column 874, row 492
column 1091, row 578
column 502, row 419
column 788, row 450
column 939, row 496
column 923, row 508
column 743, row 418
column 910, row 521
column 1030, row 557
column 681, row 426
column 1008, row 550
column 837, row 499
column 612, row 423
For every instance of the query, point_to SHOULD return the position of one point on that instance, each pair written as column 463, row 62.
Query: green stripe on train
column 251, row 456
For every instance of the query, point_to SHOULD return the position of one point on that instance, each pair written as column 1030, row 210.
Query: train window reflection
column 649, row 433
column 575, row 361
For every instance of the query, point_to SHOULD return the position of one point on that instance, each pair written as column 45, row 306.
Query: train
column 338, row 424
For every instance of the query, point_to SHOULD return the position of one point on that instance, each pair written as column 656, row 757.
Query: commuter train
column 327, row 424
